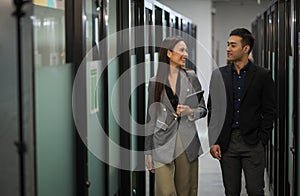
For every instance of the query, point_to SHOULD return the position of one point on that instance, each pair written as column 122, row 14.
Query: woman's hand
column 149, row 163
column 183, row 110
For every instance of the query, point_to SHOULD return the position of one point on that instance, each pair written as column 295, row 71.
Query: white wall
column 213, row 30
column 229, row 16
column 199, row 11
column 200, row 14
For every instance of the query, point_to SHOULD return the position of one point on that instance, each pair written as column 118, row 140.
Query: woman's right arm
column 149, row 128
column 150, row 123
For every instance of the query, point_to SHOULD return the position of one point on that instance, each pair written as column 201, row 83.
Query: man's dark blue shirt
column 238, row 81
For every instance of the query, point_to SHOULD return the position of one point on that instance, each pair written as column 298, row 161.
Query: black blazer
column 257, row 107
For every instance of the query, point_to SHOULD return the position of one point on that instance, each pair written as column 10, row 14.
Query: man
column 249, row 116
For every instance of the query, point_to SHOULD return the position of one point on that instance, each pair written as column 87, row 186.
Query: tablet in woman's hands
column 193, row 99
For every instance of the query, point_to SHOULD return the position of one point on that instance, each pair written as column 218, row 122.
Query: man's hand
column 215, row 151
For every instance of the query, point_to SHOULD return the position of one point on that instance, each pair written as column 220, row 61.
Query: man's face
column 235, row 49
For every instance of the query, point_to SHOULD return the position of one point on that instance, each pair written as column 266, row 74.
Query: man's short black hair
column 247, row 38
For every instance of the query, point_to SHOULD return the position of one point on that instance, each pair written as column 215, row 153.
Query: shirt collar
column 245, row 68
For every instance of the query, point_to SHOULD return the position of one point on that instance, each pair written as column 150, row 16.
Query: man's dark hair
column 247, row 38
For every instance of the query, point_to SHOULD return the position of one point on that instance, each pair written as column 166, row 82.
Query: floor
column 210, row 177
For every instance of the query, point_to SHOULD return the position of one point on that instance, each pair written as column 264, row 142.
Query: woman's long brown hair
column 164, row 64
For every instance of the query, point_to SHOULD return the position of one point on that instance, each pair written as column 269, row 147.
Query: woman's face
column 179, row 54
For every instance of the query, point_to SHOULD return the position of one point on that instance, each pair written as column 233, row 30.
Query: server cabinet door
column 290, row 14
column 95, row 29
column 55, row 136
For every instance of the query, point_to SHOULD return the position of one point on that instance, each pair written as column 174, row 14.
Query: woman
column 172, row 146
